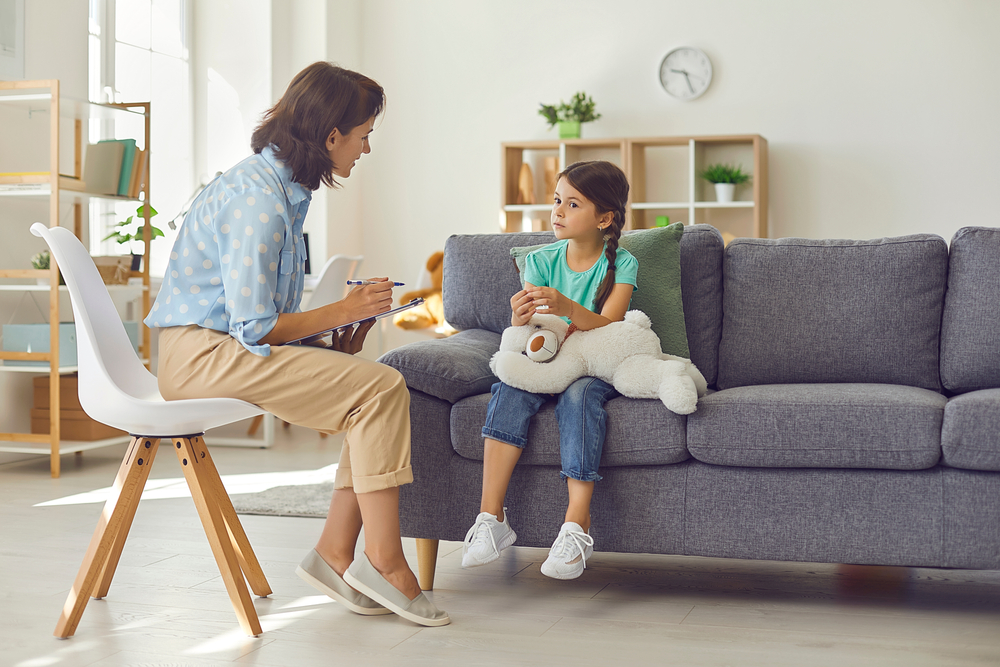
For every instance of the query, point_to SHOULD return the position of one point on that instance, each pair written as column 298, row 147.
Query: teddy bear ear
column 435, row 260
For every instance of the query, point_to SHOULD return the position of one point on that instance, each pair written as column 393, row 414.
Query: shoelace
column 580, row 540
column 473, row 533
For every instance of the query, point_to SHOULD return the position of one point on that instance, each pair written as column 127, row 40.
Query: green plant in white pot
column 134, row 230
column 569, row 117
column 725, row 177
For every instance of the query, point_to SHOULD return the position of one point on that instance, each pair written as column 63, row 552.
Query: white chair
column 331, row 286
column 117, row 390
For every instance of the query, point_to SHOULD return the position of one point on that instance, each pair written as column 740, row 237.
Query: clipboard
column 388, row 313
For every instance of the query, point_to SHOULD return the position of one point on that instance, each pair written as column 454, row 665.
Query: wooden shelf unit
column 663, row 174
column 61, row 188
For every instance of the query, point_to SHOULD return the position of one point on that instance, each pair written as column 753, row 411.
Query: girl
column 230, row 298
column 585, row 278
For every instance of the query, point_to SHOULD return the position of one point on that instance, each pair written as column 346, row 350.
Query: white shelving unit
column 23, row 104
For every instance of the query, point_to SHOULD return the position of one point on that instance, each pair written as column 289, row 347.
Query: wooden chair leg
column 199, row 477
column 125, row 496
column 150, row 445
column 244, row 552
column 427, row 553
column 254, row 425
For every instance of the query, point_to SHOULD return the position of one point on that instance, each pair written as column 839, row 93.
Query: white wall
column 880, row 114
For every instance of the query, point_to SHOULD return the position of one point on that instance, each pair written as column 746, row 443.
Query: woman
column 230, row 299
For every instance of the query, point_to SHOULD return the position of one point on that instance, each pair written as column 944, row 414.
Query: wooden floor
column 168, row 606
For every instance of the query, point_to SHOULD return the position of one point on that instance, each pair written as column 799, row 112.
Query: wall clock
column 685, row 72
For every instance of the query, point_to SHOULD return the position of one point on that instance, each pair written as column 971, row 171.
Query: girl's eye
column 557, row 200
column 573, row 205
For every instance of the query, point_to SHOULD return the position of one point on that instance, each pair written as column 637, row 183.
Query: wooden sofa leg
column 427, row 553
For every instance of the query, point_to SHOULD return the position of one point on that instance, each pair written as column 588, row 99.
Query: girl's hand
column 350, row 340
column 521, row 309
column 366, row 301
column 549, row 296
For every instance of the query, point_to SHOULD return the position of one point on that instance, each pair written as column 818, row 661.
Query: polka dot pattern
column 218, row 281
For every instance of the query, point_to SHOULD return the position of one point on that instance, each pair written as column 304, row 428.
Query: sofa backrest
column 970, row 329
column 480, row 277
column 803, row 311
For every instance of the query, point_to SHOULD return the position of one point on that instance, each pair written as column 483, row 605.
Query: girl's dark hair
column 320, row 98
column 605, row 185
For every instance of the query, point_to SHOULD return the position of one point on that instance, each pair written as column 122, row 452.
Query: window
column 139, row 52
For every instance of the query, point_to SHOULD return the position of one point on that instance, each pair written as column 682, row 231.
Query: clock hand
column 689, row 81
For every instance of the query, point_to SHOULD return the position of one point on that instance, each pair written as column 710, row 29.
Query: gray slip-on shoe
column 317, row 573
column 364, row 577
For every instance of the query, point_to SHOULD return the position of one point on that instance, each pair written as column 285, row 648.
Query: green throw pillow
column 659, row 281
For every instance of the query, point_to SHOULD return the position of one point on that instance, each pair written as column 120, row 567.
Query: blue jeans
column 581, row 415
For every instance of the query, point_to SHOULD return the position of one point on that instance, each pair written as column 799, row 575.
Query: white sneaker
column 486, row 539
column 569, row 553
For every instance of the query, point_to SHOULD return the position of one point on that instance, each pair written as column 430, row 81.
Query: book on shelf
column 115, row 167
column 137, row 181
column 23, row 187
column 103, row 167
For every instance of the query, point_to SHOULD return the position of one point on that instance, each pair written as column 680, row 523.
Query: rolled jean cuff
column 581, row 477
column 373, row 482
column 504, row 437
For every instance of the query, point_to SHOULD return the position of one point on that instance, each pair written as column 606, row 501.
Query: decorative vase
column 569, row 129
column 724, row 192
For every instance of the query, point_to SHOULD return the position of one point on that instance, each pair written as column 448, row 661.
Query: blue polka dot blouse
column 239, row 258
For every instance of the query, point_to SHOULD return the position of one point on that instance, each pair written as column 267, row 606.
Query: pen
column 371, row 282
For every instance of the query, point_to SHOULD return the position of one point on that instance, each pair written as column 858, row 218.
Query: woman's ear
column 333, row 138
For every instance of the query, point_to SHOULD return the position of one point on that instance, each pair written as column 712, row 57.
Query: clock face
column 686, row 72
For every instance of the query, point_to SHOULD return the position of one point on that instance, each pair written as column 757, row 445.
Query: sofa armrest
column 450, row 368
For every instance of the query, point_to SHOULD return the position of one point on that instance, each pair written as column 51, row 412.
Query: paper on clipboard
column 388, row 313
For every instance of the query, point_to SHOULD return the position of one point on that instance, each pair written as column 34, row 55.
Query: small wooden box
column 69, row 396
column 73, row 425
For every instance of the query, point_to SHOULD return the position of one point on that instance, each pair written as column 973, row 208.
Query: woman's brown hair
column 604, row 185
column 320, row 98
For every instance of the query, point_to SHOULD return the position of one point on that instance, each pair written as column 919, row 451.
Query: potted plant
column 124, row 233
column 570, row 116
column 725, row 177
column 42, row 261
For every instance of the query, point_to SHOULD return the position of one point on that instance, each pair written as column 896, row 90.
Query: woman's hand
column 366, row 301
column 350, row 340
column 521, row 309
column 556, row 303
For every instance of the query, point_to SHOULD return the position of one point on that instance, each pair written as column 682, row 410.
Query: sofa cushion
column 970, row 337
column 450, row 368
column 802, row 311
column 658, row 281
column 970, row 436
column 640, row 432
column 819, row 426
column 480, row 278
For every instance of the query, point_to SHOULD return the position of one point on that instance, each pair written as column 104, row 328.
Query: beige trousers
column 325, row 390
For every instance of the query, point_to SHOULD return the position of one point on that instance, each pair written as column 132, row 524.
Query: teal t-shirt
column 547, row 267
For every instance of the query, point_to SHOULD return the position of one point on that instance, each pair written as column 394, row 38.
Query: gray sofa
column 853, row 413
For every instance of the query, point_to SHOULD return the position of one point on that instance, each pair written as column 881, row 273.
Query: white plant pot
column 724, row 192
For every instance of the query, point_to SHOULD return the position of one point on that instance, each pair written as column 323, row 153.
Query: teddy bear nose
column 537, row 343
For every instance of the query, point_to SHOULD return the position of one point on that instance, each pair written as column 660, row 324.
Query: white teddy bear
column 625, row 354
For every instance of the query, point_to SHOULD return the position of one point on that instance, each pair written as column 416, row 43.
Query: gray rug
column 310, row 500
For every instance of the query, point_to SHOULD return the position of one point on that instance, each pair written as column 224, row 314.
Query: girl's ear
column 607, row 220
column 334, row 137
